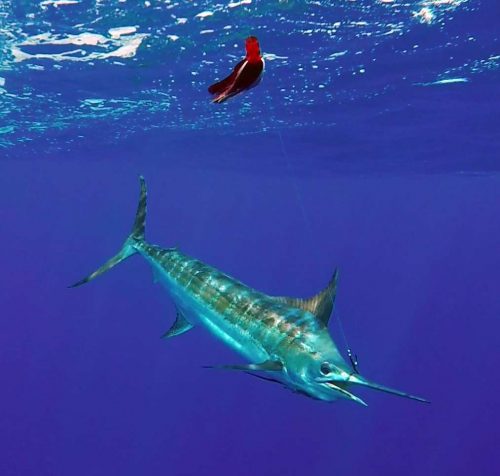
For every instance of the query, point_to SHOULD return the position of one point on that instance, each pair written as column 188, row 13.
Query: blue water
column 371, row 145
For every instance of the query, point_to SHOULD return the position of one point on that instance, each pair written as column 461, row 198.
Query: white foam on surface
column 58, row 3
column 444, row 81
column 425, row 15
column 203, row 15
column 124, row 43
column 239, row 4
column 336, row 55
column 449, row 81
column 273, row 57
column 439, row 3
column 51, row 39
column 121, row 30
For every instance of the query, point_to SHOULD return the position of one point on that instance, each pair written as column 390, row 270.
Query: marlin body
column 286, row 340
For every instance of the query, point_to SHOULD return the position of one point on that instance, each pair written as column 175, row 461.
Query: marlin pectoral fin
column 180, row 326
column 268, row 366
column 267, row 379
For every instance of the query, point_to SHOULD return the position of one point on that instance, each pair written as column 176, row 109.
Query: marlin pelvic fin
column 321, row 304
column 268, row 366
column 180, row 326
column 129, row 247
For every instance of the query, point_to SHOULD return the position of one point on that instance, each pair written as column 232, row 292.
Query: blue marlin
column 285, row 340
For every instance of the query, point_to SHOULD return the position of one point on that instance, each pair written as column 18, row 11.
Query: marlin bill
column 283, row 339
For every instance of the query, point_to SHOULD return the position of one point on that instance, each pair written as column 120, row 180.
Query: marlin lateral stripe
column 285, row 340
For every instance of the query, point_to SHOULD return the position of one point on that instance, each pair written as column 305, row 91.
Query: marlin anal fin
column 180, row 326
column 321, row 305
column 267, row 366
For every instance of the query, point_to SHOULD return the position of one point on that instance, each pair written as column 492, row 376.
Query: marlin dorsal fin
column 321, row 305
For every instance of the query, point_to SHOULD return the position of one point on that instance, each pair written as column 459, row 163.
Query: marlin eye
column 325, row 368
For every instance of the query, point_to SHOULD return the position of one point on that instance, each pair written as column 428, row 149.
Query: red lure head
column 253, row 49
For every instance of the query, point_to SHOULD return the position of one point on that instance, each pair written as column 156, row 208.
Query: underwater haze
column 371, row 145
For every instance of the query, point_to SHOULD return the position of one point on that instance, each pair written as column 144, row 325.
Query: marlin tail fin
column 129, row 247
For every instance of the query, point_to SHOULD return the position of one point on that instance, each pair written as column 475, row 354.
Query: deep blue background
column 400, row 190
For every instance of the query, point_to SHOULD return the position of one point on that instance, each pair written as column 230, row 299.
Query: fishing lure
column 246, row 74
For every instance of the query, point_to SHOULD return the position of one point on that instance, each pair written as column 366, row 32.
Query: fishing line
column 353, row 358
column 295, row 187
